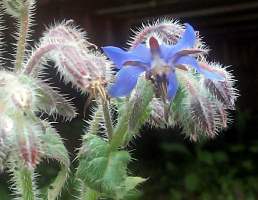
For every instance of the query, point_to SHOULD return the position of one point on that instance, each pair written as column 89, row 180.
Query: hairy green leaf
column 105, row 171
column 52, row 102
column 53, row 148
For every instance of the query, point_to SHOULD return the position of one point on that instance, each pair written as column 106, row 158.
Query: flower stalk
column 24, row 21
column 107, row 118
column 24, row 185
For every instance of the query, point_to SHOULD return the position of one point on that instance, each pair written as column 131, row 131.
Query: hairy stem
column 133, row 115
column 23, row 181
column 107, row 118
column 36, row 57
column 55, row 188
column 120, row 131
column 23, row 33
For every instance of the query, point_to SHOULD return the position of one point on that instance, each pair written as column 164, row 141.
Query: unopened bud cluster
column 76, row 59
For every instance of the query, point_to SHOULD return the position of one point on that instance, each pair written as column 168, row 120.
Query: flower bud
column 157, row 115
column 28, row 143
column 86, row 69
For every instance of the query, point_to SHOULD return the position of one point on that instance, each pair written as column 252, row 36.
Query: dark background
column 222, row 168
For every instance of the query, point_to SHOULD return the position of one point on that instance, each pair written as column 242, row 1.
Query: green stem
column 133, row 115
column 121, row 130
column 23, row 33
column 56, row 187
column 107, row 118
column 23, row 180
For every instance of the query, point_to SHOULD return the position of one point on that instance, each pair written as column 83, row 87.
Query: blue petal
column 119, row 56
column 126, row 80
column 191, row 61
column 188, row 60
column 168, row 51
column 212, row 75
column 142, row 52
column 188, row 38
column 187, row 41
column 172, row 86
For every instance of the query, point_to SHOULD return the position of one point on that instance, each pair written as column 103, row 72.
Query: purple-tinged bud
column 224, row 91
column 200, row 111
column 203, row 113
column 157, row 115
column 67, row 46
column 168, row 30
column 28, row 146
column 66, row 32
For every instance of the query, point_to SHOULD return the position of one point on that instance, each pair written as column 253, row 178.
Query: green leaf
column 132, row 181
column 51, row 102
column 53, row 148
column 105, row 171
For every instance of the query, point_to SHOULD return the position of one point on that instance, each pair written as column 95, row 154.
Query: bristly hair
column 224, row 91
column 200, row 113
column 66, row 45
column 14, row 8
column 168, row 30
column 1, row 38
column 202, row 110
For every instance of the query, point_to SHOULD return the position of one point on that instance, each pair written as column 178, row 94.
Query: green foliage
column 51, row 102
column 53, row 148
column 132, row 113
column 103, row 170
column 200, row 173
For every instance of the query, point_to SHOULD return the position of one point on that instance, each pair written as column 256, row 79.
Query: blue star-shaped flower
column 158, row 61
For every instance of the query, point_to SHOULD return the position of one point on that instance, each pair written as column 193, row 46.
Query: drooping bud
column 66, row 32
column 168, row 30
column 198, row 115
column 157, row 115
column 68, row 47
column 224, row 91
column 28, row 143
column 203, row 113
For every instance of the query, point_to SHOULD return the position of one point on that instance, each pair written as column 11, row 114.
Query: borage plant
column 163, row 79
